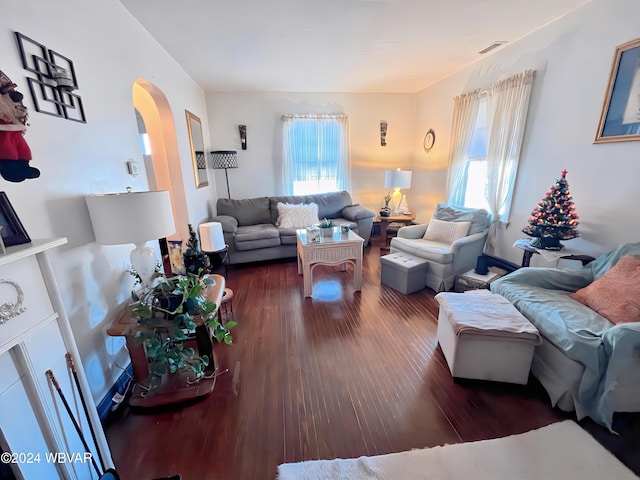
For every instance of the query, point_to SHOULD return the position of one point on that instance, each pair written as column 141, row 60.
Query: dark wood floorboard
column 343, row 374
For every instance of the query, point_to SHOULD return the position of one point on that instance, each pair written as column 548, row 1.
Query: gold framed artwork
column 196, row 141
column 620, row 117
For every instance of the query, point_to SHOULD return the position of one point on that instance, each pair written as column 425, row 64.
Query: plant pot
column 327, row 231
column 385, row 211
column 547, row 243
column 193, row 263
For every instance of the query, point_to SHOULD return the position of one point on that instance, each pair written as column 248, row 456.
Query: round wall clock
column 429, row 140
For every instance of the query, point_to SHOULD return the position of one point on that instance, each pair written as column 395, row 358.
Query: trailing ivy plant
column 168, row 312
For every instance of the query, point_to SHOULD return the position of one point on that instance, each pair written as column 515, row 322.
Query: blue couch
column 585, row 363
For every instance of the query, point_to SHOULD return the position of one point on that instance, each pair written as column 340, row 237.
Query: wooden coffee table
column 339, row 249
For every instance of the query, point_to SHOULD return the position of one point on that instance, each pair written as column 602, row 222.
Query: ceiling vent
column 493, row 46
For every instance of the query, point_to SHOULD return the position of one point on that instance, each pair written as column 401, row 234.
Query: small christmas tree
column 554, row 218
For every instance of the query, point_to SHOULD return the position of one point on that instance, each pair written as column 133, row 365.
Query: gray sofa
column 249, row 225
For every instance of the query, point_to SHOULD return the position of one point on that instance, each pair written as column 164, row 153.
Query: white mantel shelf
column 36, row 246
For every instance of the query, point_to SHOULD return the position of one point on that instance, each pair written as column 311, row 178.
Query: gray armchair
column 446, row 260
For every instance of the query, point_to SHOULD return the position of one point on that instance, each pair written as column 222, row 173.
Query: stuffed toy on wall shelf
column 15, row 153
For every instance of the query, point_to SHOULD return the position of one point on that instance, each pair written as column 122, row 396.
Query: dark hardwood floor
column 343, row 374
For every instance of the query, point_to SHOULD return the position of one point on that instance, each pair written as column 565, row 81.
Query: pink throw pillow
column 615, row 295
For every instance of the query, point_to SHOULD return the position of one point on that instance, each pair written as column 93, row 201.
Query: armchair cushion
column 478, row 217
column 446, row 232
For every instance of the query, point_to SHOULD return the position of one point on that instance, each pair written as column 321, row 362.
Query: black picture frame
column 620, row 117
column 13, row 232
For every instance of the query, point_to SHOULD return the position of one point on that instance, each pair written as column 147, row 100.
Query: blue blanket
column 605, row 349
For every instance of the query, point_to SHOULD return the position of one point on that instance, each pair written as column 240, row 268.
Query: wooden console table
column 173, row 388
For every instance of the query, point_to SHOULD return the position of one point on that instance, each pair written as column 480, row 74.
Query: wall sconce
column 243, row 136
column 383, row 133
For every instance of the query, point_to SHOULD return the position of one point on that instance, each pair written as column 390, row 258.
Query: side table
column 473, row 281
column 405, row 218
column 174, row 388
column 551, row 255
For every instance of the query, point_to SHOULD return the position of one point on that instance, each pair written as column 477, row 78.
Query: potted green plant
column 326, row 226
column 386, row 211
column 170, row 314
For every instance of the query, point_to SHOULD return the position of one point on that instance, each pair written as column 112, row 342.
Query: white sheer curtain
column 465, row 111
column 316, row 154
column 507, row 106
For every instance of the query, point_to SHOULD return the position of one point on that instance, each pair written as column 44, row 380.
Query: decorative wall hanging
column 243, row 136
column 429, row 140
column 12, row 231
column 54, row 82
column 383, row 133
column 15, row 153
column 620, row 117
column 9, row 309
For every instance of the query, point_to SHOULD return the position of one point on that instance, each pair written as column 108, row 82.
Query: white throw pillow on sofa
column 446, row 232
column 297, row 215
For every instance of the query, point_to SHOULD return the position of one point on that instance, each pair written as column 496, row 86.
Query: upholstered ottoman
column 403, row 272
column 484, row 337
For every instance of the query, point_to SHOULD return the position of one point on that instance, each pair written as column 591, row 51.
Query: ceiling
column 335, row 45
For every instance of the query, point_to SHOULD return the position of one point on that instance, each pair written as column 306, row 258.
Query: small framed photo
column 620, row 117
column 175, row 257
column 12, row 231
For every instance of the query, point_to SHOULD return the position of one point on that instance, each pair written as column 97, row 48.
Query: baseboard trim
column 106, row 404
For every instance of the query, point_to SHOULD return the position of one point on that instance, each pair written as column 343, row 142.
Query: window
column 487, row 134
column 475, row 171
column 316, row 154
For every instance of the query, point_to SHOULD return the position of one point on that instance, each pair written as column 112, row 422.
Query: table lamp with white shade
column 133, row 217
column 397, row 179
column 212, row 240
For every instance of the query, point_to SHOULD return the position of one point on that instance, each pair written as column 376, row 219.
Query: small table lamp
column 225, row 159
column 212, row 239
column 397, row 179
column 133, row 217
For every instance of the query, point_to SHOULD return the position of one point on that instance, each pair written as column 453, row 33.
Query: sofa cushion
column 446, row 232
column 257, row 236
column 330, row 205
column 248, row 211
column 615, row 295
column 478, row 217
column 297, row 215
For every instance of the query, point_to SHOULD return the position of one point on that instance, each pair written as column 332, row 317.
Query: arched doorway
column 166, row 172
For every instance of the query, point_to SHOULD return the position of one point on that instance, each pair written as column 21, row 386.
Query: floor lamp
column 225, row 159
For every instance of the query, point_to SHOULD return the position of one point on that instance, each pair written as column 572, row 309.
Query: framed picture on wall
column 620, row 117
column 11, row 229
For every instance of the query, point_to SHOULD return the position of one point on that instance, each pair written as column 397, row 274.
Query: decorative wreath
column 8, row 310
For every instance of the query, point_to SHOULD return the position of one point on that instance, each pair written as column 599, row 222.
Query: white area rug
column 559, row 451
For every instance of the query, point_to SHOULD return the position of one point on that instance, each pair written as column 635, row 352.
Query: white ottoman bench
column 403, row 272
column 485, row 337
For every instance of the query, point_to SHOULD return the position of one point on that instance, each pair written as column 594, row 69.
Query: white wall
column 259, row 171
column 110, row 50
column 573, row 59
